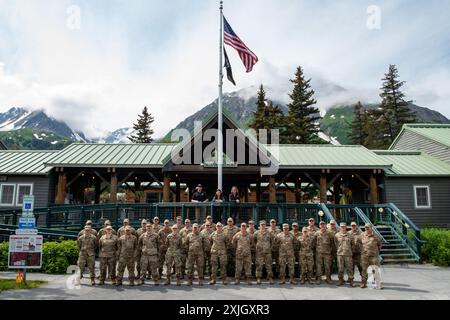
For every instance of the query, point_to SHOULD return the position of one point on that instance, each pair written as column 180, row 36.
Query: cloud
column 127, row 55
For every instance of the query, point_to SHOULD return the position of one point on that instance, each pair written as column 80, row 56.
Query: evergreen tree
column 267, row 116
column 357, row 134
column 394, row 111
column 142, row 129
column 301, row 122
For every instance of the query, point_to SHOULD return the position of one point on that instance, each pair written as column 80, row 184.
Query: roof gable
column 439, row 133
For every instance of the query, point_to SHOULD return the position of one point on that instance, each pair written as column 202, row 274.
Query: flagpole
column 219, row 113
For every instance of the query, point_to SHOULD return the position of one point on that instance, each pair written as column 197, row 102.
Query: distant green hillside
column 30, row 139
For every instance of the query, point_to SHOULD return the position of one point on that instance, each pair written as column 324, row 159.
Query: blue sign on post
column 27, row 223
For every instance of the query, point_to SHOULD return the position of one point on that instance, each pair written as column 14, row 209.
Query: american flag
column 230, row 38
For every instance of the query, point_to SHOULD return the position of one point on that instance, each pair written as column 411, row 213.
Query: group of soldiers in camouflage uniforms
column 182, row 247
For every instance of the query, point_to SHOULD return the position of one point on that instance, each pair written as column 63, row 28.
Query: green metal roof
column 437, row 132
column 27, row 162
column 327, row 157
column 413, row 163
column 112, row 155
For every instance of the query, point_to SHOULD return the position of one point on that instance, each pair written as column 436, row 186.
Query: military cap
column 322, row 222
column 144, row 221
column 88, row 228
column 311, row 219
column 285, row 225
column 262, row 221
column 208, row 217
column 251, row 222
column 295, row 224
column 332, row 221
column 127, row 228
column 368, row 225
column 195, row 225
column 353, row 223
column 305, row 229
column 243, row 224
column 166, row 221
column 187, row 221
column 273, row 220
column 108, row 228
column 218, row 224
column 126, row 220
column 107, row 223
column 342, row 224
column 174, row 226
column 89, row 222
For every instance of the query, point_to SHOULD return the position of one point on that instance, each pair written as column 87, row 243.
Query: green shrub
column 57, row 256
column 437, row 246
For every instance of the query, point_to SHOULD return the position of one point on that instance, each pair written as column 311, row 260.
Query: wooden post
column 166, row 188
column 373, row 189
column 61, row 187
column 177, row 191
column 272, row 190
column 113, row 187
column 258, row 190
column 323, row 188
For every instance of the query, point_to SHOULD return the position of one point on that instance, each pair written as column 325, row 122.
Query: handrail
column 366, row 220
column 328, row 214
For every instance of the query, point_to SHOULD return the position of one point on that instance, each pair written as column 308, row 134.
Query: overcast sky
column 97, row 72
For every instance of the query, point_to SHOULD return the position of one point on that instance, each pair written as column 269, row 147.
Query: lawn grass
column 10, row 284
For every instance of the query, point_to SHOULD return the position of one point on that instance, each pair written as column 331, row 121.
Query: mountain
column 117, row 136
column 23, row 129
column 336, row 121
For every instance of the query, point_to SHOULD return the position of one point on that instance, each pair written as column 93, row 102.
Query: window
column 422, row 197
column 22, row 190
column 7, row 194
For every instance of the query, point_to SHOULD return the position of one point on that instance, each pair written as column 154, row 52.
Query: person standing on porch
column 199, row 196
column 218, row 197
column 234, row 197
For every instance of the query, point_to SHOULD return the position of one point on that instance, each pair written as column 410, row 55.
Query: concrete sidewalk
column 400, row 282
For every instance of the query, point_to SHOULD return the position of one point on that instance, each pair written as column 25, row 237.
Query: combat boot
column 178, row 282
column 258, row 281
column 270, row 280
column 328, row 280
column 101, row 283
column 113, row 281
column 200, row 282
column 302, row 280
column 237, row 281
column 282, row 281
column 118, row 283
column 92, row 281
column 213, row 281
column 341, row 282
column 167, row 281
column 156, row 282
column 249, row 281
column 292, row 281
column 224, row 281
column 189, row 281
column 318, row 281
column 141, row 281
column 132, row 282
column 363, row 285
column 350, row 282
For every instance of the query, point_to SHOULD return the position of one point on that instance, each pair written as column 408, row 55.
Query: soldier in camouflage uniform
column 370, row 252
column 263, row 246
column 102, row 231
column 87, row 244
column 344, row 248
column 127, row 247
column 296, row 233
column 156, row 226
column 355, row 232
column 331, row 227
column 88, row 224
column 286, row 244
column 174, row 245
column 137, row 258
column 219, row 255
column 324, row 243
column 148, row 244
column 121, row 231
column 163, row 233
column 306, row 255
column 230, row 230
column 243, row 241
column 108, row 245
column 179, row 223
column 251, row 230
column 312, row 226
column 274, row 231
column 195, row 242
column 211, row 223
column 206, row 233
column 184, row 232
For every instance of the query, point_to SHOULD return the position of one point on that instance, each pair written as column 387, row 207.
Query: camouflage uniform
column 275, row 249
column 148, row 244
column 156, row 227
column 263, row 244
column 344, row 249
column 324, row 243
column 213, row 226
column 86, row 247
column 306, row 255
column 93, row 232
column 243, row 244
column 127, row 246
column 195, row 243
column 253, row 248
column 174, row 245
column 121, row 231
column 102, row 232
column 296, row 234
column 219, row 255
column 107, row 253
column 230, row 232
column 163, row 233
column 370, row 251
column 313, row 230
column 137, row 256
column 207, row 248
column 356, row 251
column 184, row 232
column 286, row 245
